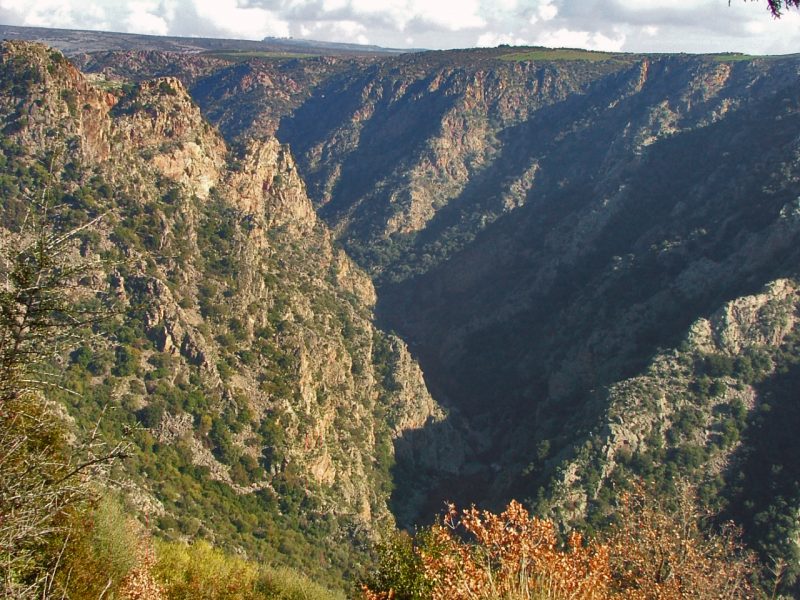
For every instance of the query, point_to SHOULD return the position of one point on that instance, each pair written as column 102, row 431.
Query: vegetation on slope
column 239, row 361
column 547, row 54
column 62, row 532
column 560, row 331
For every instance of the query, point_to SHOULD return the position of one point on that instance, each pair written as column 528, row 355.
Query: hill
column 592, row 256
column 262, row 403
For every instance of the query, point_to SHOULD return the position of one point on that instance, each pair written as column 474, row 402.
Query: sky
column 613, row 25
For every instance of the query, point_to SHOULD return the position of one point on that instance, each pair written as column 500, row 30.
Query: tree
column 43, row 474
column 654, row 552
column 776, row 6
column 669, row 550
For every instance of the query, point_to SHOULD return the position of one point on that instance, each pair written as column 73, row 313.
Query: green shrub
column 718, row 388
column 127, row 361
column 101, row 550
column 150, row 416
column 400, row 568
column 199, row 570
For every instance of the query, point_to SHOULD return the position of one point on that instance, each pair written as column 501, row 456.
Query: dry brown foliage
column 654, row 554
column 665, row 554
column 140, row 584
column 516, row 556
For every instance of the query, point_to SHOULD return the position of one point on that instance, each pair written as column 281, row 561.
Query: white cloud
column 143, row 18
column 339, row 31
column 547, row 10
column 332, row 5
column 490, row 40
column 42, row 13
column 345, row 29
column 755, row 27
column 503, row 5
column 453, row 15
column 567, row 38
column 251, row 23
column 644, row 25
column 450, row 14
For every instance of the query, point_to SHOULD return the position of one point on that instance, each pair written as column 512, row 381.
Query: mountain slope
column 243, row 363
column 542, row 230
column 545, row 228
column 655, row 212
column 593, row 257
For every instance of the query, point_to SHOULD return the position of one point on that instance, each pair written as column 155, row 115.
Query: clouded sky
column 631, row 25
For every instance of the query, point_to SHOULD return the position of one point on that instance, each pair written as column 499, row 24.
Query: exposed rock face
column 541, row 229
column 238, row 293
column 761, row 320
column 269, row 185
column 45, row 89
column 245, row 98
column 554, row 240
column 649, row 406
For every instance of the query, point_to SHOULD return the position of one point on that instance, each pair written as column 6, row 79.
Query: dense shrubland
column 65, row 529
column 219, row 437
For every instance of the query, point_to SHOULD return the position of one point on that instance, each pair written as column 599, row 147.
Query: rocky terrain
column 243, row 352
column 593, row 257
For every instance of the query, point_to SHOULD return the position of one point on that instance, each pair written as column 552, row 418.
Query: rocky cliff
column 243, row 352
column 593, row 257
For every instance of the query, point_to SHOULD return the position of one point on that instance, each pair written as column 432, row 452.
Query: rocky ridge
column 245, row 339
column 654, row 405
column 553, row 237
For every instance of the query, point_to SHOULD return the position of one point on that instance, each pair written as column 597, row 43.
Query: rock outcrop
column 244, row 339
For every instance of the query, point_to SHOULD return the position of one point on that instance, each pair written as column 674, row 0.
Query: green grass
column 267, row 55
column 733, row 57
column 738, row 57
column 559, row 54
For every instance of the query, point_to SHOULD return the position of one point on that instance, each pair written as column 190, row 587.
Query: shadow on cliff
column 764, row 480
column 549, row 304
column 435, row 464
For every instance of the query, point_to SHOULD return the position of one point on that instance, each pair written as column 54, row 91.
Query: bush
column 718, row 388
column 150, row 416
column 511, row 555
column 655, row 552
column 127, row 361
column 102, row 550
column 665, row 551
column 719, row 365
column 199, row 570
column 400, row 569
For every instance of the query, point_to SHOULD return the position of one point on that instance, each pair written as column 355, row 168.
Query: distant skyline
column 614, row 25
